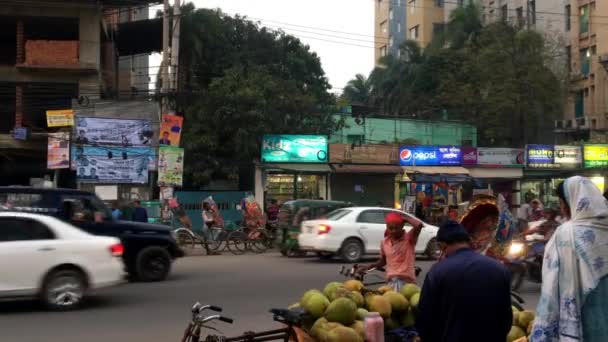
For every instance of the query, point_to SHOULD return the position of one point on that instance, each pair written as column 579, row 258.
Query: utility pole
column 164, row 65
column 173, row 76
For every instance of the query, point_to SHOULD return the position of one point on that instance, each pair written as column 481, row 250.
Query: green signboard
column 294, row 149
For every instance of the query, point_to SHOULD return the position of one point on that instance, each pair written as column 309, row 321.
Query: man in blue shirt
column 140, row 214
column 466, row 297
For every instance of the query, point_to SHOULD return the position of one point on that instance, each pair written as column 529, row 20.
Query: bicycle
column 187, row 238
column 240, row 241
column 291, row 318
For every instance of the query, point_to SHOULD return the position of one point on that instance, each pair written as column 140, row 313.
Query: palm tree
column 358, row 90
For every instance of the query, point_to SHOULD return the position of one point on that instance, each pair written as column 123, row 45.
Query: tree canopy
column 239, row 81
column 498, row 77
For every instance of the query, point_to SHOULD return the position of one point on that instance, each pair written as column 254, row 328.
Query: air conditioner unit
column 560, row 123
column 583, row 122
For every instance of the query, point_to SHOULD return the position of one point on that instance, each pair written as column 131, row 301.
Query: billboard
column 294, row 149
column 595, row 155
column 111, row 164
column 492, row 157
column 570, row 157
column 430, row 155
column 58, row 151
column 170, row 166
column 105, row 131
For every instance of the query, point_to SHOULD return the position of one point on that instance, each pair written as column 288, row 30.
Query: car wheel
column 325, row 255
column 433, row 251
column 352, row 250
column 64, row 290
column 153, row 264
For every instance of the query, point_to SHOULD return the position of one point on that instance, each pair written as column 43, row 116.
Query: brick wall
column 51, row 52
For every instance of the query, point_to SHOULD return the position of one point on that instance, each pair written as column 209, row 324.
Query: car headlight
column 516, row 248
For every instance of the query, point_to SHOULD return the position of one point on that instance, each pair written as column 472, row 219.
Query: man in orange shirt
column 398, row 250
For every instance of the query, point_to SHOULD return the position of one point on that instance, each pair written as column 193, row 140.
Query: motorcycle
column 525, row 260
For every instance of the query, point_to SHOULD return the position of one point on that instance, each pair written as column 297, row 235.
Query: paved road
column 246, row 286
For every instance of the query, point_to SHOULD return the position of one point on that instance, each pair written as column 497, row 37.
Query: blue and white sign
column 430, row 155
column 540, row 156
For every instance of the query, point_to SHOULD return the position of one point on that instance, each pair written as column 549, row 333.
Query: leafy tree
column 238, row 82
column 358, row 90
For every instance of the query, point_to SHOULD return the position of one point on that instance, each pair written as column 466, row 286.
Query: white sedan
column 41, row 256
column 353, row 232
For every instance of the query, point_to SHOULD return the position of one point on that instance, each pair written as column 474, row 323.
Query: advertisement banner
column 111, row 164
column 170, row 166
column 103, row 131
column 58, row 151
column 570, row 157
column 60, row 118
column 595, row 155
column 170, row 130
column 430, row 155
column 294, row 149
column 492, row 157
column 540, row 156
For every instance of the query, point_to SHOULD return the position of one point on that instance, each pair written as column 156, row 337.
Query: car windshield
column 337, row 214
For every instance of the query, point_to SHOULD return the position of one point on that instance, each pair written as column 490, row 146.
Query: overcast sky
column 316, row 23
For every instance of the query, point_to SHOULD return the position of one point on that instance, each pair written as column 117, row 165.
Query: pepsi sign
column 430, row 155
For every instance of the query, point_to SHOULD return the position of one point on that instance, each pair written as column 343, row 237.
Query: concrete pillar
column 258, row 190
column 20, row 43
column 90, row 50
column 18, row 106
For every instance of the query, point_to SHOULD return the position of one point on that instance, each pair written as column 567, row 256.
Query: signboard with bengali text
column 595, row 155
column 430, row 155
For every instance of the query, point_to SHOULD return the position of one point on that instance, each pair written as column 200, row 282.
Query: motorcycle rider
column 548, row 227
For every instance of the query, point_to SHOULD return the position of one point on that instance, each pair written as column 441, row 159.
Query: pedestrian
column 116, row 213
column 139, row 213
column 466, row 296
column 574, row 296
column 398, row 250
column 272, row 212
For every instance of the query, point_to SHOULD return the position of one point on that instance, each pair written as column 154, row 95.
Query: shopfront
column 596, row 163
column 365, row 175
column 495, row 171
column 293, row 167
column 546, row 167
column 433, row 177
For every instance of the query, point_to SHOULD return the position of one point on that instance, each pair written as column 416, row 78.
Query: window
column 437, row 28
column 398, row 27
column 504, row 13
column 383, row 51
column 390, row 14
column 86, row 208
column 20, row 229
column 585, row 56
column 568, row 14
column 584, row 19
column 337, row 214
column 414, row 32
column 383, row 27
column 520, row 16
column 579, row 104
column 26, row 201
column 532, row 12
column 372, row 216
column 438, row 3
column 412, row 5
column 391, row 41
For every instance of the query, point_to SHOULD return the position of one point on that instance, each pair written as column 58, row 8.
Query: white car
column 41, row 256
column 353, row 232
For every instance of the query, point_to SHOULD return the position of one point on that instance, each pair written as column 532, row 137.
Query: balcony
column 60, row 55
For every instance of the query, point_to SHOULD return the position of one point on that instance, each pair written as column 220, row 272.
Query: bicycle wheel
column 258, row 241
column 215, row 239
column 237, row 242
column 185, row 239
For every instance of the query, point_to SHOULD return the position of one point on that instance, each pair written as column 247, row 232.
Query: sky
column 340, row 31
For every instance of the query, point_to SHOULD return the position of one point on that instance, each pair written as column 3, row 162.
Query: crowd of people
column 466, row 295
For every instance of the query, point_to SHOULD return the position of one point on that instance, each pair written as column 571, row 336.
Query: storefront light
column 599, row 181
column 299, row 178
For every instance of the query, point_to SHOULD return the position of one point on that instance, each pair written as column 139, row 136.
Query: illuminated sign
column 430, row 155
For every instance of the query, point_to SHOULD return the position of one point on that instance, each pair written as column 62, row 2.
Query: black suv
column 149, row 248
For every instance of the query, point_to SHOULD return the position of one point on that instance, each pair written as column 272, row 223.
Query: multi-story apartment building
column 51, row 53
column 400, row 20
column 586, row 114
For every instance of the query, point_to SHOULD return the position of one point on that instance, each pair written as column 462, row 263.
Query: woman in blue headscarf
column 574, row 297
